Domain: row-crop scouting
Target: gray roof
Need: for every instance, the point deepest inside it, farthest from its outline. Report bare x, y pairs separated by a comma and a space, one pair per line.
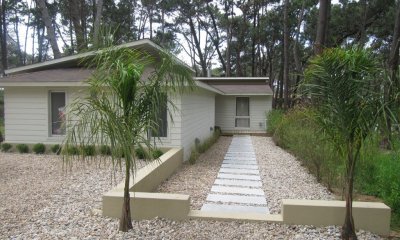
239, 85
51, 75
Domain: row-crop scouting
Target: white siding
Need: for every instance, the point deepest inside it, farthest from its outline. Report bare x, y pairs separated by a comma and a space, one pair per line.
174, 133
225, 112
198, 118
26, 113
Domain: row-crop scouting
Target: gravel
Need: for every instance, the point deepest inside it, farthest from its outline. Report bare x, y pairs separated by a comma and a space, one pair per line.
39, 200
283, 176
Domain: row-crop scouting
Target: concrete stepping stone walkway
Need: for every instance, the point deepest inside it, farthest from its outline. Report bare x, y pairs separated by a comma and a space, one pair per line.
238, 187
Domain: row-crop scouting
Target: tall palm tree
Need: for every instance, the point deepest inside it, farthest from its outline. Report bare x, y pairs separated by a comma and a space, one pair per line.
344, 88
121, 105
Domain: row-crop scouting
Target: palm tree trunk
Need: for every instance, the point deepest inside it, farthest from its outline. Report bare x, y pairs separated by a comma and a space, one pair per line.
348, 229
125, 222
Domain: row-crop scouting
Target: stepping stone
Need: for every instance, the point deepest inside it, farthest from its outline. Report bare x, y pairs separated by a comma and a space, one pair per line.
240, 158
239, 190
240, 166
233, 208
229, 161
242, 183
238, 177
237, 199
239, 171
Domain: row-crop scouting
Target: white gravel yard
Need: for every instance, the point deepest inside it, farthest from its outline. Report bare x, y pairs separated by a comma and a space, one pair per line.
283, 176
38, 200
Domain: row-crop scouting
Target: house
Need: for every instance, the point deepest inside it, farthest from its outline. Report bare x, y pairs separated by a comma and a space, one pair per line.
35, 97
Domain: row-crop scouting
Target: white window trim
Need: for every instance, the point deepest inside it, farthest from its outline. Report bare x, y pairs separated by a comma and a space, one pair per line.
236, 117
50, 130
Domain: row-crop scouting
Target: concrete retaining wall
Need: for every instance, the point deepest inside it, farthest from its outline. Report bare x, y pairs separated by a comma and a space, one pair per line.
370, 216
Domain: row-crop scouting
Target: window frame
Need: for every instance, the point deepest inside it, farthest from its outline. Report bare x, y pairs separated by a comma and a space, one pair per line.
50, 114
237, 117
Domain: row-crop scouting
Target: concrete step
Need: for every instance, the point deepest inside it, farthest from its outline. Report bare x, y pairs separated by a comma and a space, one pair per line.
238, 190
238, 176
241, 183
236, 199
233, 208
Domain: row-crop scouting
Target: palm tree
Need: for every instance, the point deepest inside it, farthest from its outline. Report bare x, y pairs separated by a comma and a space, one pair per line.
344, 89
121, 106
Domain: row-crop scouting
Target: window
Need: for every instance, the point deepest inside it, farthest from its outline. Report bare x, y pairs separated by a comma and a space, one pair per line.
162, 121
242, 119
57, 113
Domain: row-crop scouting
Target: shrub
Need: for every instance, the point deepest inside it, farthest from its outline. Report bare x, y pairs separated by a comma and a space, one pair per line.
56, 148
140, 153
194, 155
22, 148
39, 148
71, 150
5, 147
105, 150
88, 150
274, 118
157, 153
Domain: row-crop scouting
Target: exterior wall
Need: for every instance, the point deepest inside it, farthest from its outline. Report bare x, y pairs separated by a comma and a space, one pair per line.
174, 132
26, 113
198, 118
225, 112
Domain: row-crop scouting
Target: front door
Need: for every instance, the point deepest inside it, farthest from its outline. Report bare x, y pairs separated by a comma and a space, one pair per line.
242, 119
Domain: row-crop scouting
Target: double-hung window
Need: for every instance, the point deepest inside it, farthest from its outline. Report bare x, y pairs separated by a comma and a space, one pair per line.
242, 119
57, 113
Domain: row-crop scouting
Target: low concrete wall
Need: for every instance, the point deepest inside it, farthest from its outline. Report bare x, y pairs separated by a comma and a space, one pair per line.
148, 205
370, 216
153, 174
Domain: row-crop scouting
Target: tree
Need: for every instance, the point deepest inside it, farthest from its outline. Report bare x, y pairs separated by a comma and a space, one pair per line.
342, 85
286, 53
49, 27
323, 16
97, 21
3, 34
122, 106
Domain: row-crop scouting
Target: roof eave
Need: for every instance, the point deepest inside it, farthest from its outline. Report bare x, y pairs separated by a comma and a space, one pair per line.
43, 84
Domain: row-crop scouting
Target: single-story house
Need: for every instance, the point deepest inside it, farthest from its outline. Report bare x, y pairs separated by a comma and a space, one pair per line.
35, 96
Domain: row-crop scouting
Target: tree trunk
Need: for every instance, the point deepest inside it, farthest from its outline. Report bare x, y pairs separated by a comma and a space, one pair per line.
286, 54
20, 57
125, 222
3, 35
74, 7
322, 26
348, 229
296, 56
198, 48
217, 40
96, 25
49, 27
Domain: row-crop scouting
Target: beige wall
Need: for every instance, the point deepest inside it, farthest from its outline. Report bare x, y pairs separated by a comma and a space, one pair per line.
198, 118
27, 116
225, 112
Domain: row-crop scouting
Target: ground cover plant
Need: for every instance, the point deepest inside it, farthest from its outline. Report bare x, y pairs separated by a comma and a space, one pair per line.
5, 147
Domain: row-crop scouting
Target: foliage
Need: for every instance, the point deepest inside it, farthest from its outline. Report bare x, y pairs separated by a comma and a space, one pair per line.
70, 150
88, 150
274, 118
39, 148
347, 102
105, 150
141, 153
22, 148
123, 106
5, 147
56, 148
378, 171
157, 153
204, 146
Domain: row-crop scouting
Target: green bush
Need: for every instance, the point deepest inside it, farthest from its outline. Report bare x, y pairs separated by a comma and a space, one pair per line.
22, 148
194, 155
88, 150
39, 148
157, 153
71, 150
274, 118
105, 150
140, 153
5, 147
56, 148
